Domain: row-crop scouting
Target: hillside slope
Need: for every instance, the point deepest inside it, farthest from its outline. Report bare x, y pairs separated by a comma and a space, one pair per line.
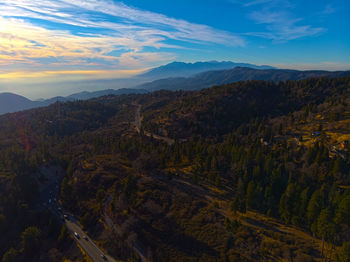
257, 171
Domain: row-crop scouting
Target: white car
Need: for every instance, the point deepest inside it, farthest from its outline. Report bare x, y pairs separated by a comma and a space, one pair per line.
76, 235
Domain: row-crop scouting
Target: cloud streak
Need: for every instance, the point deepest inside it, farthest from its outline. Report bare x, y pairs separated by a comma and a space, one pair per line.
329, 9
280, 23
281, 26
80, 35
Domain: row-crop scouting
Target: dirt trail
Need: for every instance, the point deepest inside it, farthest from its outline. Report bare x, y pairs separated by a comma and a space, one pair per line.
137, 124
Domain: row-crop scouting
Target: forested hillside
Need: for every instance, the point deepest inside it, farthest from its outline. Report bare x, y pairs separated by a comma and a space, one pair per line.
249, 171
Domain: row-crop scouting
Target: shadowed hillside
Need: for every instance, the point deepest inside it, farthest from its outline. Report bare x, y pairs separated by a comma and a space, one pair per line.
255, 171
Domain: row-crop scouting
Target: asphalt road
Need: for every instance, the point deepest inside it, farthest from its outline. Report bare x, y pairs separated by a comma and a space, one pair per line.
85, 242
48, 199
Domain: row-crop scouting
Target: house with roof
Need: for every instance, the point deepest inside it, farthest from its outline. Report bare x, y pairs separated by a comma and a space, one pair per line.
345, 144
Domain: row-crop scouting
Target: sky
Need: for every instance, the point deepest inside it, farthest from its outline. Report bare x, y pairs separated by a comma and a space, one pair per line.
48, 42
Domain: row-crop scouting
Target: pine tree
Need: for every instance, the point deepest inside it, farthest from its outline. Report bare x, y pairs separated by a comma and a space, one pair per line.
30, 241
344, 253
251, 195
12, 255
343, 211
314, 207
325, 227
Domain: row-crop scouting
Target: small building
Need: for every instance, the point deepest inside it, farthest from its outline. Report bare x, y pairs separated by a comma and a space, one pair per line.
316, 133
345, 144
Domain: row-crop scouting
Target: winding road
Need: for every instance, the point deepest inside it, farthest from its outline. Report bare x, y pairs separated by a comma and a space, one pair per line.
137, 124
49, 195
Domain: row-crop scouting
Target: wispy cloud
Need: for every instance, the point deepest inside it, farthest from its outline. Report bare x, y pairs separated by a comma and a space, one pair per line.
134, 19
281, 26
280, 23
329, 9
257, 2
252, 3
323, 65
19, 76
80, 35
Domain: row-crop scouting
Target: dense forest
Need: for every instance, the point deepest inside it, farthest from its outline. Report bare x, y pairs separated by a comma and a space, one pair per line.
249, 171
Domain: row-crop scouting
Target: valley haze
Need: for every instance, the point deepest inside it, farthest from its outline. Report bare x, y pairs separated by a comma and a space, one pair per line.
173, 76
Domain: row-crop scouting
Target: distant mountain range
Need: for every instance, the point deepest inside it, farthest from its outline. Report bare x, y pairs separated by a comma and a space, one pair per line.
10, 102
174, 76
180, 69
88, 95
220, 77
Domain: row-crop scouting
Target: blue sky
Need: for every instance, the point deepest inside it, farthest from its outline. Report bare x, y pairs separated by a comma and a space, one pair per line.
56, 40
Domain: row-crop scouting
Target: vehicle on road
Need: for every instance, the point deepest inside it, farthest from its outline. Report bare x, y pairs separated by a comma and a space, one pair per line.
65, 217
76, 235
85, 237
104, 257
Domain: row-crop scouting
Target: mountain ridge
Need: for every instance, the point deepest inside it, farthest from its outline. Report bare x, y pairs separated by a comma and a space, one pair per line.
10, 102
221, 77
176, 69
